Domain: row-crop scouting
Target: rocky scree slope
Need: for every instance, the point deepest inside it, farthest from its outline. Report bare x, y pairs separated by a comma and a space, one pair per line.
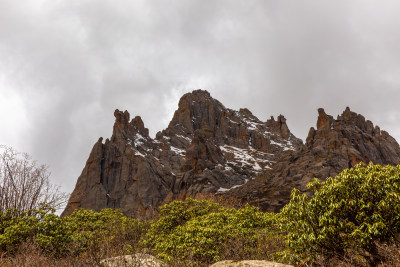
206, 148
334, 146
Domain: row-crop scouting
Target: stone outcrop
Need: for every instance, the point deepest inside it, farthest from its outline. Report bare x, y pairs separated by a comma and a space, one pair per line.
210, 149
146, 260
135, 260
249, 263
334, 145
121, 173
206, 148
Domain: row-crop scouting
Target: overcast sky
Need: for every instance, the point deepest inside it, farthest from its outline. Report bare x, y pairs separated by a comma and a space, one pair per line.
66, 65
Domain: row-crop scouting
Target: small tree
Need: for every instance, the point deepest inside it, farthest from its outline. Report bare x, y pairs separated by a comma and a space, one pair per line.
25, 185
346, 216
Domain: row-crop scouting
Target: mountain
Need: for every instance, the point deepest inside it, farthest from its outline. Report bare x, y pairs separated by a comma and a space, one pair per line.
210, 149
332, 147
206, 149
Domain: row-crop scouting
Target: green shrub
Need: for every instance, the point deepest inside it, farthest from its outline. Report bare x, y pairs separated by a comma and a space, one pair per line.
347, 215
17, 227
200, 230
85, 230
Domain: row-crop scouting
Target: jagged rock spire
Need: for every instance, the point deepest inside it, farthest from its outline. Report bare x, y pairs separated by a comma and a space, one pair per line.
123, 128
332, 147
207, 148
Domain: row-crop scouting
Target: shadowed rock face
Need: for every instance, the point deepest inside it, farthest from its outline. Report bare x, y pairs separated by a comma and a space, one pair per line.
210, 149
206, 148
332, 147
122, 174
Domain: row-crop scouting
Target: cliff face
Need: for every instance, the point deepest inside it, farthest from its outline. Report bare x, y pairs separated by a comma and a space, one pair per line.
207, 148
332, 147
122, 173
210, 149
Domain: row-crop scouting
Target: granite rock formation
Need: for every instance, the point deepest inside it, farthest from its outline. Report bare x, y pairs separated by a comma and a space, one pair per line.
206, 148
210, 149
333, 146
249, 263
135, 260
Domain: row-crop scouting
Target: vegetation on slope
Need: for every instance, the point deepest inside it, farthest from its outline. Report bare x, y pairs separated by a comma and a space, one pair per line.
348, 216
205, 232
350, 219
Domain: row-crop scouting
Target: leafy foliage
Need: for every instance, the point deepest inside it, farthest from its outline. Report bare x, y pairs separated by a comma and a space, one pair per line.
17, 227
356, 213
347, 213
200, 230
84, 230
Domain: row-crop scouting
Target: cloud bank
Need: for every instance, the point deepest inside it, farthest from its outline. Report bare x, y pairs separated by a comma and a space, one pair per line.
65, 66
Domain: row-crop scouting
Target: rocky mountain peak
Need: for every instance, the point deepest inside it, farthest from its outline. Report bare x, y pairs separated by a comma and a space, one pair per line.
349, 117
197, 110
247, 113
206, 148
324, 120
138, 126
279, 126
123, 128
332, 147
210, 149
121, 117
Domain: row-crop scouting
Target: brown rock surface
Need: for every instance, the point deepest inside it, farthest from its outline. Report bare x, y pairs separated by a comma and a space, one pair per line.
228, 147
206, 148
135, 260
249, 263
332, 147
121, 173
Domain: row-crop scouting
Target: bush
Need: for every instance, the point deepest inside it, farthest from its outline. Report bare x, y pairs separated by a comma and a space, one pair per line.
85, 231
351, 218
105, 230
17, 227
348, 215
199, 231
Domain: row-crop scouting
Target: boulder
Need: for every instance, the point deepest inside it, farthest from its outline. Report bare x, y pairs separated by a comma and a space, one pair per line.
249, 263
136, 260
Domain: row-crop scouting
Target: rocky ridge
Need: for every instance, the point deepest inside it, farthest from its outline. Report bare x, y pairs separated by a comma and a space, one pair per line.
206, 149
210, 149
334, 145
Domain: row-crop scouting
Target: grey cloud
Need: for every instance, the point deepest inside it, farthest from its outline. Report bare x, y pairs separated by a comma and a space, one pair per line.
71, 63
